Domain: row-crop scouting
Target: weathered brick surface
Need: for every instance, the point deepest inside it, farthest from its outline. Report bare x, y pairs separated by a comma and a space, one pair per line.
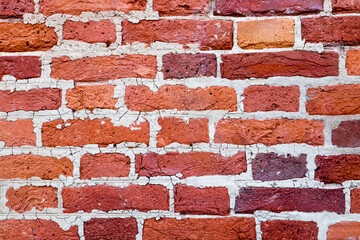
189, 164
199, 228
109, 198
272, 167
111, 228
268, 33
104, 165
343, 230
141, 98
209, 35
347, 134
252, 199
17, 133
20, 67
355, 201
15, 8
181, 7
296, 230
26, 198
269, 132
271, 98
341, 6
337, 168
285, 64
353, 62
180, 66
207, 201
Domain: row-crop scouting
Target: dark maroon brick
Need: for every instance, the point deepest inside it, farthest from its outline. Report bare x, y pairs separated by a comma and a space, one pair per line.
347, 134
252, 199
21, 67
331, 31
15, 8
294, 230
189, 65
111, 228
337, 168
271, 7
340, 6
271, 167
287, 64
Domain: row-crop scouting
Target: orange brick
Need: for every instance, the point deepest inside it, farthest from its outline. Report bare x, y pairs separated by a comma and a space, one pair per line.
353, 62
344, 230
17, 133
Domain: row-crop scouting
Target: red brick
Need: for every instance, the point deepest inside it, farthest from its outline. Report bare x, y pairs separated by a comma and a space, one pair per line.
20, 67
76, 7
285, 64
26, 37
334, 100
26, 198
141, 98
272, 167
295, 230
11, 229
104, 165
16, 8
79, 132
104, 68
269, 132
17, 133
344, 230
181, 7
189, 164
259, 7
91, 32
91, 97
207, 201
341, 6
209, 35
178, 66
337, 168
271, 98
277, 200
176, 130
331, 31
347, 134
355, 201
111, 228
27, 166
31, 100
109, 198
353, 62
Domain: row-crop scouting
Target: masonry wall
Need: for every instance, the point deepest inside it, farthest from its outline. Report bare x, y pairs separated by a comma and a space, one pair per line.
179, 119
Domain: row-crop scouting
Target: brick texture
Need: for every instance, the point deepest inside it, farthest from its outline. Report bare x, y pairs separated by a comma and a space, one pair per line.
352, 62
344, 230
20, 67
347, 134
15, 8
181, 7
296, 230
341, 6
110, 228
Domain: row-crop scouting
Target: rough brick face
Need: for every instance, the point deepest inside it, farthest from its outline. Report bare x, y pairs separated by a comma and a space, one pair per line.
343, 230
347, 134
269, 132
207, 201
79, 132
35, 229
20, 67
181, 7
269, 33
109, 198
91, 97
273, 7
176, 130
189, 164
32, 100
75, 7
26, 198
285, 64
271, 98
341, 6
272, 167
15, 8
17, 133
27, 166
91, 32
331, 31
104, 165
201, 228
295, 230
337, 168
104, 68
141, 98
26, 37
353, 62
355, 201
180, 66
252, 199
111, 228
209, 35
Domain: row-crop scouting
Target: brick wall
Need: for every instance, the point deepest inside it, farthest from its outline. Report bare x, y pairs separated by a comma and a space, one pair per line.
179, 119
